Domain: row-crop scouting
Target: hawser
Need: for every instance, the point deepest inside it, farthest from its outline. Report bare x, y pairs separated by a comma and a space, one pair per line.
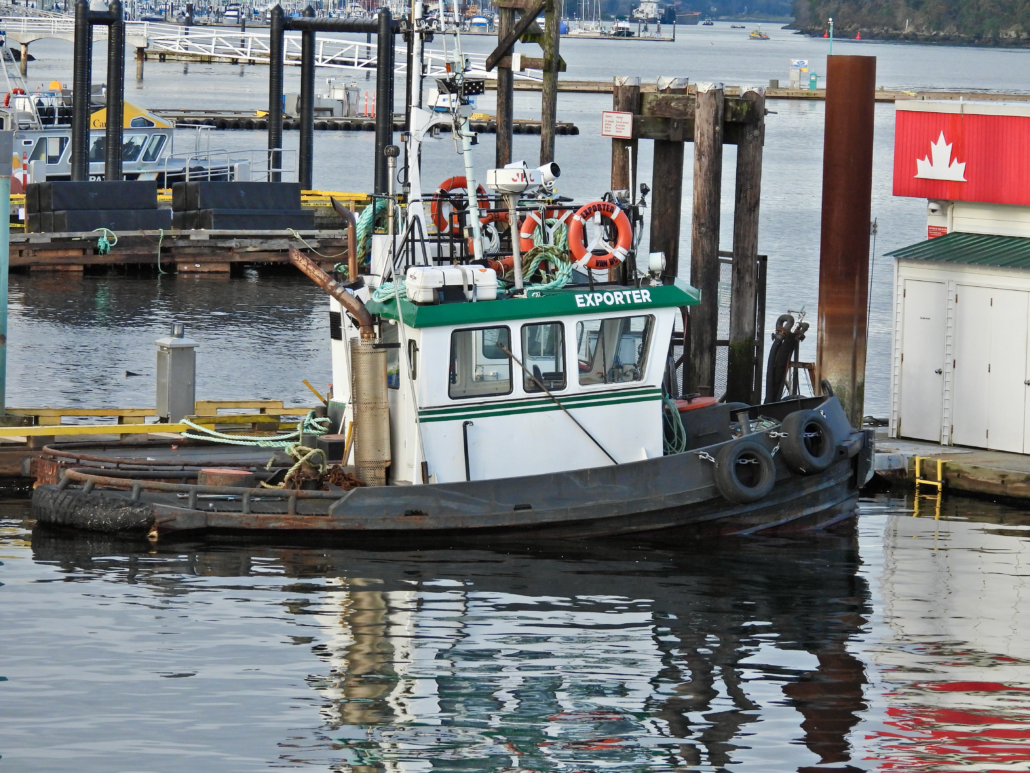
501, 368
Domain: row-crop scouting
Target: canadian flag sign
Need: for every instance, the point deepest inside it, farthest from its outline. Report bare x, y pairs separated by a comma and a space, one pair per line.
962, 151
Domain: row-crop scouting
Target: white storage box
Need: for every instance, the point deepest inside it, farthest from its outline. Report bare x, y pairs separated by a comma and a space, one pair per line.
450, 284
422, 283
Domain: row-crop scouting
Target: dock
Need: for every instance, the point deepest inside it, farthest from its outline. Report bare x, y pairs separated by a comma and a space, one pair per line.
968, 470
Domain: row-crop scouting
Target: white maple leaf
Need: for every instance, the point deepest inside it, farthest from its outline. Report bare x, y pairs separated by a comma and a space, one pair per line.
942, 167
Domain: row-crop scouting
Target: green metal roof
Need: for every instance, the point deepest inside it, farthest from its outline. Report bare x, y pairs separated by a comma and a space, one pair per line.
974, 249
551, 304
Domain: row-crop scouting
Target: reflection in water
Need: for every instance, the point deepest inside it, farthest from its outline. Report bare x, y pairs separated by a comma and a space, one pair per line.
641, 659
956, 655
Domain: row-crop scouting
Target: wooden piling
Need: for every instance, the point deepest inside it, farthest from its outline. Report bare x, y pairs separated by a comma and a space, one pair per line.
505, 93
625, 99
549, 88
844, 244
141, 57
740, 380
23, 62
667, 188
704, 238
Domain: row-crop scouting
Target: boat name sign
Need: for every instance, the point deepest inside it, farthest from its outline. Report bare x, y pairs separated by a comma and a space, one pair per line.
616, 298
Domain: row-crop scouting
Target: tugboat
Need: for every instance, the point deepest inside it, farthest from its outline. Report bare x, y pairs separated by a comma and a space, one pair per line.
492, 382
708, 22
758, 35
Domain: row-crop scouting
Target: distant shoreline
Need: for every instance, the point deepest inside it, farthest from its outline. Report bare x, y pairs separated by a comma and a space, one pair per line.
900, 36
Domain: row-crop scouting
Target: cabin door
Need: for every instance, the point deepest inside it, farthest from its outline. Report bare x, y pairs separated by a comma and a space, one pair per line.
1007, 393
922, 360
972, 360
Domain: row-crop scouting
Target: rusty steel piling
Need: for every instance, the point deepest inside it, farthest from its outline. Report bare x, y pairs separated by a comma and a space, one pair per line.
844, 245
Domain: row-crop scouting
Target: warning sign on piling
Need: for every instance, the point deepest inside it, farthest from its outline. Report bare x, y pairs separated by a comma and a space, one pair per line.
617, 125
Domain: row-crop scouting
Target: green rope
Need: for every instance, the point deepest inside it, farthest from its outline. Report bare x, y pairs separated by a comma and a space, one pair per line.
366, 225
302, 454
674, 435
560, 234
385, 292
547, 253
104, 244
309, 425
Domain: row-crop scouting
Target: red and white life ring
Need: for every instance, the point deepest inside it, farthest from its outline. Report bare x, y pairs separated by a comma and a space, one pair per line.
593, 255
535, 220
436, 208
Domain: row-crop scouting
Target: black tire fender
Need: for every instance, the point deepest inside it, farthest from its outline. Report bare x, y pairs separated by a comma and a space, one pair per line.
809, 446
739, 485
73, 509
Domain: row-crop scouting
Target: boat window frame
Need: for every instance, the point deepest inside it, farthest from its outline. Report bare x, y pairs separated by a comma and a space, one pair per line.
157, 139
450, 360
527, 384
647, 344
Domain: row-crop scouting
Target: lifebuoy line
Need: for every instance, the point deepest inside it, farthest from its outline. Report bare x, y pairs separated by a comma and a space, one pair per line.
441, 197
535, 220
7, 97
577, 240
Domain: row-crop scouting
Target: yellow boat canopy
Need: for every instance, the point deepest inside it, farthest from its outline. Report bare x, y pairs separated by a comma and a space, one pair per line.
133, 118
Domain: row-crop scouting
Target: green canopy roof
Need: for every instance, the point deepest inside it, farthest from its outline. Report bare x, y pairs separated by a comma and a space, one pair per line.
974, 249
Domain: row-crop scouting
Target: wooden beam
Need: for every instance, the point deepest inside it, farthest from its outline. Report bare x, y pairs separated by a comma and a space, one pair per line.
549, 88
740, 372
508, 40
505, 94
625, 99
704, 237
667, 190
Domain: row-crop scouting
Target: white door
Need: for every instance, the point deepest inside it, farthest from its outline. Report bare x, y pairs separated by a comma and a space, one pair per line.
1007, 393
970, 378
922, 359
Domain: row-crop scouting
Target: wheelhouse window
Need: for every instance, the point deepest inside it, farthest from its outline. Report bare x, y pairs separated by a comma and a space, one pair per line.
543, 357
157, 142
49, 149
479, 365
613, 351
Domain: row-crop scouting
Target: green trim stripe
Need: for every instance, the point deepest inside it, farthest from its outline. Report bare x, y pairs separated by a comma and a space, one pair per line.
569, 301
538, 405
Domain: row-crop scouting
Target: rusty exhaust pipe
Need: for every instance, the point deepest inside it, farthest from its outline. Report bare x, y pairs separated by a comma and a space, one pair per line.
844, 247
352, 237
351, 303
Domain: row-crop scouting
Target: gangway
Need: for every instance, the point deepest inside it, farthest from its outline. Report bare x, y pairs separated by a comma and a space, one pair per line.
238, 45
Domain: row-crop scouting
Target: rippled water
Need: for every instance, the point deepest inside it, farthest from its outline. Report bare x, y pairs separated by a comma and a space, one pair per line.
898, 645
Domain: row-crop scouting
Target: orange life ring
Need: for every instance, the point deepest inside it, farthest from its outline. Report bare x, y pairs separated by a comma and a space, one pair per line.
436, 213
592, 258
18, 91
535, 220
7, 99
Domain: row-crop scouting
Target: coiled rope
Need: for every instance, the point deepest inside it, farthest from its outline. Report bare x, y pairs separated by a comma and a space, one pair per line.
104, 244
674, 435
302, 455
559, 260
309, 425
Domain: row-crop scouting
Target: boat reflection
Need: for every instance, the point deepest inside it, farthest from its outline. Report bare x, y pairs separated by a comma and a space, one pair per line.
647, 658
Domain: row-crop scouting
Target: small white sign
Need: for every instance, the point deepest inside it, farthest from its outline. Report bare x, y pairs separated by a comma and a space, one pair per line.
617, 125
799, 63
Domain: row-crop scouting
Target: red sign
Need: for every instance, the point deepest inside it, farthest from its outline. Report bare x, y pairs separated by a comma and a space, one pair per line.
933, 231
962, 156
615, 124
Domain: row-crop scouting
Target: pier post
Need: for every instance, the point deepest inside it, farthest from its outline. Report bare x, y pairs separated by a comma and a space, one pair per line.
115, 92
305, 160
275, 93
82, 64
23, 60
667, 189
549, 87
844, 243
6, 152
740, 369
505, 92
704, 237
141, 57
625, 99
384, 99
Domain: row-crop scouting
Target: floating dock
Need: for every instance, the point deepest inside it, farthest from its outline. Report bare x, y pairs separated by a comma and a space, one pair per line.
969, 470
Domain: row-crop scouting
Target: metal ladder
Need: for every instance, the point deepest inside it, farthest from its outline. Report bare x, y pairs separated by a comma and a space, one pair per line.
13, 80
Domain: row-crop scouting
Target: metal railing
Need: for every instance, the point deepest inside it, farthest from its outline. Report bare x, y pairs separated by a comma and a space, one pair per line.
231, 43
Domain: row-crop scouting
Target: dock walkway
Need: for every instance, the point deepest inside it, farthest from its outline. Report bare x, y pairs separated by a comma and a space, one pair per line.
972, 470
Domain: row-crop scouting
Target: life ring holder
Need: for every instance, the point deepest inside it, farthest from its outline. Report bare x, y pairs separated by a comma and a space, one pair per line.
587, 255
441, 197
538, 219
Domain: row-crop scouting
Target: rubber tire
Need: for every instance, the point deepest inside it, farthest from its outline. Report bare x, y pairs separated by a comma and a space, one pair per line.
91, 512
807, 458
729, 482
